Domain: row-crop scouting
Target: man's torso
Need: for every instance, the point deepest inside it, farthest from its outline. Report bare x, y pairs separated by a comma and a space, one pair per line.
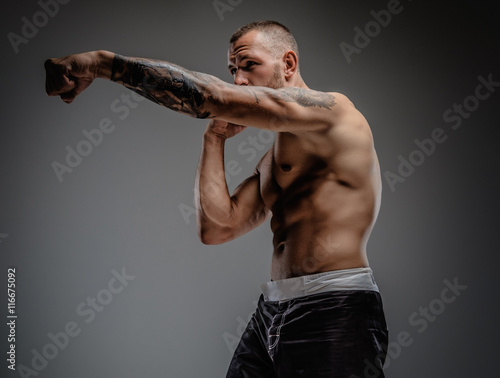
323, 189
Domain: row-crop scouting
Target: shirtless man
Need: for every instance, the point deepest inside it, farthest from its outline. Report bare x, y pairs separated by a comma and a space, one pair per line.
321, 314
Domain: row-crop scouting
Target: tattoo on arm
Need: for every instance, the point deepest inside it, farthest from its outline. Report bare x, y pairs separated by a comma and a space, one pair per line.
166, 84
189, 92
307, 98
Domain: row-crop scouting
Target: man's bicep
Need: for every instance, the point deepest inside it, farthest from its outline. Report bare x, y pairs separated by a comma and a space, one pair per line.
281, 110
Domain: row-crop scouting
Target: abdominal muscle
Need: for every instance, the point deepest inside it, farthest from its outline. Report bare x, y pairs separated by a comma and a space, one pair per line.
317, 237
307, 251
319, 223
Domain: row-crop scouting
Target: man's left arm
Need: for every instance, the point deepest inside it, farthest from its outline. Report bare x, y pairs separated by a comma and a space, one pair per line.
195, 94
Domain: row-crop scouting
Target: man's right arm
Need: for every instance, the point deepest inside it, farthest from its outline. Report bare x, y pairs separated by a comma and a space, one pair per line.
222, 217
288, 109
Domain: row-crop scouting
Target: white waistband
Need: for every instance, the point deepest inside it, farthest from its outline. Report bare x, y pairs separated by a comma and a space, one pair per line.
336, 280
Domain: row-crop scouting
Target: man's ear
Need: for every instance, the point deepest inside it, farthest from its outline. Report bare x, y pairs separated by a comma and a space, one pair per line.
291, 61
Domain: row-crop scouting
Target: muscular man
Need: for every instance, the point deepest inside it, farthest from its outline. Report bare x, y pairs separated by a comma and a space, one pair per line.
321, 314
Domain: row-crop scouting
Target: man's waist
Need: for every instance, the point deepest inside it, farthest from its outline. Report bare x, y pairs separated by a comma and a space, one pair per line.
335, 280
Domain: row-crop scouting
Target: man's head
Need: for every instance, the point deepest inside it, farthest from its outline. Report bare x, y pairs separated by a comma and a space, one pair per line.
264, 53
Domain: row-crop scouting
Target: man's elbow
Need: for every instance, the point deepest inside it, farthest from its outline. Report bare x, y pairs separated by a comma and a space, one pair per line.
212, 236
209, 239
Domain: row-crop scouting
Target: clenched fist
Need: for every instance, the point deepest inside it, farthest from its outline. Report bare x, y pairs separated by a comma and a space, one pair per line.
224, 129
69, 76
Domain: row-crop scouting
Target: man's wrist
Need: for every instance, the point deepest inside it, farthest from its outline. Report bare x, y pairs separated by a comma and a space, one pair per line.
103, 64
212, 136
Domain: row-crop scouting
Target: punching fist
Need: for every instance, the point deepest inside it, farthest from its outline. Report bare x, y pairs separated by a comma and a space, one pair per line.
69, 76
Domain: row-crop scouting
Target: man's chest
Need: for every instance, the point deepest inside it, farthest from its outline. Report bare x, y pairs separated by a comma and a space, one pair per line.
289, 165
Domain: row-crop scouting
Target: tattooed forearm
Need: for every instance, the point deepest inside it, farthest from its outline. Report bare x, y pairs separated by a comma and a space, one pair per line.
165, 84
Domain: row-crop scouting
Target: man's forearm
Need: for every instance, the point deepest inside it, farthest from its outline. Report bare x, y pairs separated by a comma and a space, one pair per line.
184, 91
212, 198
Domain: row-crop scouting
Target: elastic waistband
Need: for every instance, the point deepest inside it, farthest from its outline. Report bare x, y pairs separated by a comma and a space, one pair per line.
336, 280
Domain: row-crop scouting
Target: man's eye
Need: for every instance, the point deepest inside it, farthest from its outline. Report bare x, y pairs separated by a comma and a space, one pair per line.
247, 65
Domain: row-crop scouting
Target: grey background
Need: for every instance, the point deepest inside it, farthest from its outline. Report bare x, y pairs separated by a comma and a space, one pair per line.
120, 208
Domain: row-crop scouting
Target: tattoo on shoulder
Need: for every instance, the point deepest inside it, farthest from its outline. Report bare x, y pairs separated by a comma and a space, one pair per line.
307, 98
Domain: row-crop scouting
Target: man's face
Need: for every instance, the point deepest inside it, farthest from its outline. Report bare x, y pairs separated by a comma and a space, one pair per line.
251, 63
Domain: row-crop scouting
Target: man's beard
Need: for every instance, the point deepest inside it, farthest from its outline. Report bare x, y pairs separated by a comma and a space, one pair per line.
276, 81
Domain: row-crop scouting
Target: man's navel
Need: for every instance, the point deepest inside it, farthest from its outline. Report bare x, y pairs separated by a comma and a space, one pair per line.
286, 167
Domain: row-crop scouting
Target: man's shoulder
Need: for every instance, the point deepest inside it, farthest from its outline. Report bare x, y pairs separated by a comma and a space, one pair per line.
341, 99
346, 112
342, 111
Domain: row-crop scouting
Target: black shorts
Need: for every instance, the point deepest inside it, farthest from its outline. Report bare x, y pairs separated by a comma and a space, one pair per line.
330, 334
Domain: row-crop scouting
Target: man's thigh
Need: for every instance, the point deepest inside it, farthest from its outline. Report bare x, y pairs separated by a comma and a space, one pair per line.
251, 358
338, 335
335, 335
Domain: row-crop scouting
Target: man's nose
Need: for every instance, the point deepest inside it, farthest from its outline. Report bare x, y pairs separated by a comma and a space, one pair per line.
240, 78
